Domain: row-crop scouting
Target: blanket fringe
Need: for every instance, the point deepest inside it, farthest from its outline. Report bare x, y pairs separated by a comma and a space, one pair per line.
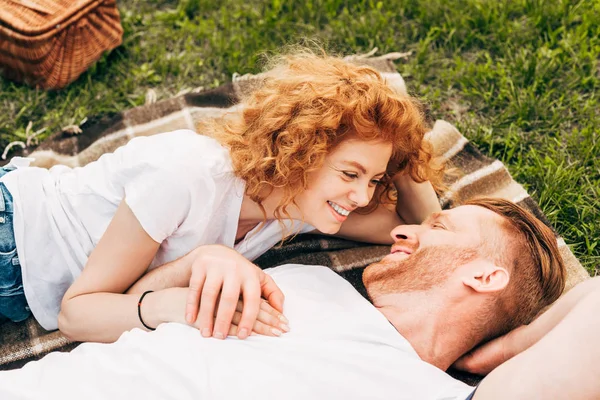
389, 56
11, 145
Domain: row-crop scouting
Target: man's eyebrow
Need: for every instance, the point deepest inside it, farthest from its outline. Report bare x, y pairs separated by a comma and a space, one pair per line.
442, 217
446, 220
359, 166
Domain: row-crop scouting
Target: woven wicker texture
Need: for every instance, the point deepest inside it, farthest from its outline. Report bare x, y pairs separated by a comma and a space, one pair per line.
49, 43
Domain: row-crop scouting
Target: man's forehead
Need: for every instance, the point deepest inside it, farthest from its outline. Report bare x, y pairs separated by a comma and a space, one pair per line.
471, 217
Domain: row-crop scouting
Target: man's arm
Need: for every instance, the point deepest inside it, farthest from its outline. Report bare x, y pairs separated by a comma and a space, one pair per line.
484, 359
563, 364
176, 273
181, 273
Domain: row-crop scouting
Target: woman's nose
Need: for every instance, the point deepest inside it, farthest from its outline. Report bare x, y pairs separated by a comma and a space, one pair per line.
361, 196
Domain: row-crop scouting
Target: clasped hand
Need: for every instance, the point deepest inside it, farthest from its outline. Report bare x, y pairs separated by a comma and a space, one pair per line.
229, 295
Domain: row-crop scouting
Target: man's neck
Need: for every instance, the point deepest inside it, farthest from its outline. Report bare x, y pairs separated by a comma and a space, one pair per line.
439, 330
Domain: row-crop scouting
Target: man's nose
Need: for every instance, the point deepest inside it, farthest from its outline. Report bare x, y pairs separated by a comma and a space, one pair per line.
406, 233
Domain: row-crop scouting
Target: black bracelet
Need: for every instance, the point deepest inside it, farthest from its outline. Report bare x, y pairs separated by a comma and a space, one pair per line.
140, 309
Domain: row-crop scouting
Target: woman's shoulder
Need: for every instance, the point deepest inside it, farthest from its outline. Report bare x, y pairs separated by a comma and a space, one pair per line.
182, 148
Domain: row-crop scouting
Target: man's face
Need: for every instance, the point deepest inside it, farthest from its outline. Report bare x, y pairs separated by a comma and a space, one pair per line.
425, 255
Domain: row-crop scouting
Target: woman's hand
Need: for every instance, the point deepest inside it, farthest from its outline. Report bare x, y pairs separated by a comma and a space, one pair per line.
218, 276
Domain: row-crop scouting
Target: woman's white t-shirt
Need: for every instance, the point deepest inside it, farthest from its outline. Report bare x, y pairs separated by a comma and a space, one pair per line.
180, 185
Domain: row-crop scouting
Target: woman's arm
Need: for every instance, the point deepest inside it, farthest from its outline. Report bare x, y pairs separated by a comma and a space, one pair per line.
416, 201
94, 308
209, 278
216, 277
374, 227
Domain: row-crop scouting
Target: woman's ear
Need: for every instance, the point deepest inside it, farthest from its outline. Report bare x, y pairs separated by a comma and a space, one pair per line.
485, 277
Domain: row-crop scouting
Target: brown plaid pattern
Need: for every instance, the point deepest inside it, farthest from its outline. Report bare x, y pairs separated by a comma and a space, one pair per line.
477, 175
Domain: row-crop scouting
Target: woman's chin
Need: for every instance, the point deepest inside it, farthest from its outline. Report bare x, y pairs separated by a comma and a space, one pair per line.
329, 229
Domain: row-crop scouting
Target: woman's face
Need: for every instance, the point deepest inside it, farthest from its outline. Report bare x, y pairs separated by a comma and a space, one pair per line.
345, 182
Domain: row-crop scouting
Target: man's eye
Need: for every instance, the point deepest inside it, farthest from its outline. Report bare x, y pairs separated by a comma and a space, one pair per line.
350, 175
438, 225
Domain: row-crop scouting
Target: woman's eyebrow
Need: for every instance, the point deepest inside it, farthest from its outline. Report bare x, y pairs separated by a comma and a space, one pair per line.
360, 167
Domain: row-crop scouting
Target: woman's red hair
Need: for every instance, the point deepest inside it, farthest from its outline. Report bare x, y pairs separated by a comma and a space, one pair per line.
305, 106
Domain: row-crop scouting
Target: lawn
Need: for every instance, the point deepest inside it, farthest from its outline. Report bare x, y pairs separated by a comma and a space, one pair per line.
519, 78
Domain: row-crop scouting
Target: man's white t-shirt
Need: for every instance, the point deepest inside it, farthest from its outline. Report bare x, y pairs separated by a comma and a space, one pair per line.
339, 347
180, 185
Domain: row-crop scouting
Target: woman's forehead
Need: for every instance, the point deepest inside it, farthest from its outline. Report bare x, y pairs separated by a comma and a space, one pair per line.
363, 152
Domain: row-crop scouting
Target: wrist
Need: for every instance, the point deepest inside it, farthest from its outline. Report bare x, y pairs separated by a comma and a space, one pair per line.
167, 305
148, 312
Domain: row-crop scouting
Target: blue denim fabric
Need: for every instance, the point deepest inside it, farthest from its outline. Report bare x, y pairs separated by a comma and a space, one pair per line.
13, 305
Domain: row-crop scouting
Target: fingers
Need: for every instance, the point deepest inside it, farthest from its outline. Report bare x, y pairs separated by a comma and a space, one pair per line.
219, 276
251, 307
229, 299
464, 363
208, 300
193, 299
268, 310
271, 328
273, 319
271, 292
482, 360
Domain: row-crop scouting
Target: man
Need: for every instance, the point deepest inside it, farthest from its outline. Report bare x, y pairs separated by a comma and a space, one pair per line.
462, 277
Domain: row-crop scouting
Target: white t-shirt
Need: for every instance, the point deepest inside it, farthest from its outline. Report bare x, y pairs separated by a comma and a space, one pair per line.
180, 186
339, 347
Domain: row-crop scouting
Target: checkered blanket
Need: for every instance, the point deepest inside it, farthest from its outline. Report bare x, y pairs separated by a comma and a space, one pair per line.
477, 175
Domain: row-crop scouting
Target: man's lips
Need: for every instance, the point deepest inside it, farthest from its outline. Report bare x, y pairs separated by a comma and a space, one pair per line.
398, 252
400, 249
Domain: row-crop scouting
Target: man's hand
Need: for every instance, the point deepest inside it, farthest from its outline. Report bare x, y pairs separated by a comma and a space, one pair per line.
269, 321
485, 358
218, 276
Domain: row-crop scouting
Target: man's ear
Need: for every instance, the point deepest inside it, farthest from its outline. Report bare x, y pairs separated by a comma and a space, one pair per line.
486, 277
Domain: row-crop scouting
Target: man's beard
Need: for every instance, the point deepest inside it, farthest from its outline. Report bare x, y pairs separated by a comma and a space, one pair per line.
420, 271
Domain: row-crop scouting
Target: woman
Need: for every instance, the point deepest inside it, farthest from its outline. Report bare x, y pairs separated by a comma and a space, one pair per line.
314, 148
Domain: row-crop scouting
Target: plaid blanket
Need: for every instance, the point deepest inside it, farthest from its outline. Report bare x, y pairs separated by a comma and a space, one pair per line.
477, 175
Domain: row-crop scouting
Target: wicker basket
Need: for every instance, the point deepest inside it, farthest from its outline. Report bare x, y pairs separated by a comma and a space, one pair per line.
49, 43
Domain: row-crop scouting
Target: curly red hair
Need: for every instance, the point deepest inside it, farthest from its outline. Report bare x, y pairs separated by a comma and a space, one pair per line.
306, 105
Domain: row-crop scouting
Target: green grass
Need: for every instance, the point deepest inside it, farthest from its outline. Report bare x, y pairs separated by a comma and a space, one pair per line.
519, 78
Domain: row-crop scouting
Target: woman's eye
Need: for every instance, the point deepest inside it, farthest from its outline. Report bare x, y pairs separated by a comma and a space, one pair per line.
376, 182
350, 175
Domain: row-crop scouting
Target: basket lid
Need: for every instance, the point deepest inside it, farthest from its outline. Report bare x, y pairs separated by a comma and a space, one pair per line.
35, 17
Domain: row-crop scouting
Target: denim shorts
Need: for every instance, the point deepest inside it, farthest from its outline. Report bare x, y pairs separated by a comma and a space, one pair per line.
13, 305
